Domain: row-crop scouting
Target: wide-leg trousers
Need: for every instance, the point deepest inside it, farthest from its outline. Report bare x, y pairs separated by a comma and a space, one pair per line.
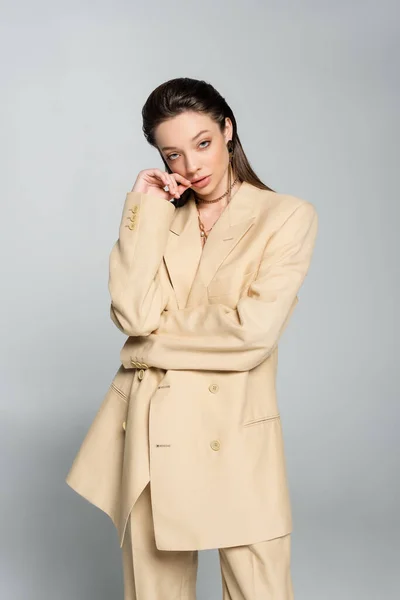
255, 572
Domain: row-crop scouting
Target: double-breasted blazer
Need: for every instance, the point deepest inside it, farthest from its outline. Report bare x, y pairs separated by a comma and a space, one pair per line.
192, 407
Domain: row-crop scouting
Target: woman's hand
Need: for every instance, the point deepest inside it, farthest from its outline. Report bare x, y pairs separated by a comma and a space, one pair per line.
152, 181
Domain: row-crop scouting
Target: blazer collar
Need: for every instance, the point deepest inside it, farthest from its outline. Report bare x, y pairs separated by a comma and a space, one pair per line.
189, 266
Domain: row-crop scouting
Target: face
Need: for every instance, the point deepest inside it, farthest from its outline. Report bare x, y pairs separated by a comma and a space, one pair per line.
193, 145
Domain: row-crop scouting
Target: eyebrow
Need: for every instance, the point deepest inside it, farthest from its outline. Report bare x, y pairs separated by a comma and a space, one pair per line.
193, 139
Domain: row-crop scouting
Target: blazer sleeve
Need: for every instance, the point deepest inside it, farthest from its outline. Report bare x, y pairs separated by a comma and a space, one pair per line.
217, 337
136, 294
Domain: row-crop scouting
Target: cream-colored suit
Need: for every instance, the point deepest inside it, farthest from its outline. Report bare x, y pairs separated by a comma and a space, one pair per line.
193, 406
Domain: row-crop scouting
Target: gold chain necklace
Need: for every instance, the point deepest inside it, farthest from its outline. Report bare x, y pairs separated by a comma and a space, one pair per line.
201, 201
204, 232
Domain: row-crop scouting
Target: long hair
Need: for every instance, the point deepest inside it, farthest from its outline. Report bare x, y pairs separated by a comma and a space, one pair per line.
176, 96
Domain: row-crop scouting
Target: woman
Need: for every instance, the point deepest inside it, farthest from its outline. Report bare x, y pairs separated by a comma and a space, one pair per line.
186, 452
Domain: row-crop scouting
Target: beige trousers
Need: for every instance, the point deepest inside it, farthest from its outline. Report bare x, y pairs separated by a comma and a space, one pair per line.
256, 572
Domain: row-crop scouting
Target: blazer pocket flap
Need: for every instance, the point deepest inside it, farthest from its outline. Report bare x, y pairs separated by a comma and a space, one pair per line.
261, 420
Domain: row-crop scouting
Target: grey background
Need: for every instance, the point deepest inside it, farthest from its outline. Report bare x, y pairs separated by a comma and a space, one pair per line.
315, 89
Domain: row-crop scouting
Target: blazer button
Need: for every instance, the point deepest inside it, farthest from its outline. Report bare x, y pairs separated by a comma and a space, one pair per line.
213, 388
215, 445
141, 374
124, 425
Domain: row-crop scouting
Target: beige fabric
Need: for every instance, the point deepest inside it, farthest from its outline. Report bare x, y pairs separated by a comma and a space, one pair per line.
149, 573
201, 418
256, 572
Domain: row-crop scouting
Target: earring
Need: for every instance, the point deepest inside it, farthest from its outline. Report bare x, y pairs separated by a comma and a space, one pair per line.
230, 150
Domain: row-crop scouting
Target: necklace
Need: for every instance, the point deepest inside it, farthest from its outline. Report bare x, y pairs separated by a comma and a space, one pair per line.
204, 232
200, 201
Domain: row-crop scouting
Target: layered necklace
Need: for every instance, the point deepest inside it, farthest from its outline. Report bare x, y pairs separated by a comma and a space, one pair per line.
204, 233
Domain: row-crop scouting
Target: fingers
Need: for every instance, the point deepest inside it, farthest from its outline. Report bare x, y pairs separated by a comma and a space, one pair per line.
185, 183
179, 177
166, 180
172, 185
171, 180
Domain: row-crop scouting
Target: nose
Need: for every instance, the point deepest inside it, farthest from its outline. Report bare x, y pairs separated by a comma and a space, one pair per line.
192, 165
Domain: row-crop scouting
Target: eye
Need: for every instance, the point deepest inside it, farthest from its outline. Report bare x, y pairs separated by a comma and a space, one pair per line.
208, 142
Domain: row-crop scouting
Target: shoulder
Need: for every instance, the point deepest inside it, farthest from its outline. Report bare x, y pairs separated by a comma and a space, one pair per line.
278, 207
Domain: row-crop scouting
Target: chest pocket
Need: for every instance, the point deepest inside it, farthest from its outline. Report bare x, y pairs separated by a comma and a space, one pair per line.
234, 285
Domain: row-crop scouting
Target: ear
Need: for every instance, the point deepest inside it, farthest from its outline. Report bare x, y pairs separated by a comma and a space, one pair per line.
228, 130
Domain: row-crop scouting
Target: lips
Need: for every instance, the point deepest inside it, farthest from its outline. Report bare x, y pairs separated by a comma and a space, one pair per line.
202, 183
198, 180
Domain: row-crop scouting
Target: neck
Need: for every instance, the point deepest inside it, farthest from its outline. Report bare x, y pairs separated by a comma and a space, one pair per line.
213, 207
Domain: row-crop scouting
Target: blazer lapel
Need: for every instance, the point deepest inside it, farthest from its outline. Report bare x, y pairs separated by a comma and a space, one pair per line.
191, 267
232, 225
183, 250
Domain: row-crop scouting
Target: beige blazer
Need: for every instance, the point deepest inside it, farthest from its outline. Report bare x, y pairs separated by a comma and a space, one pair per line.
193, 405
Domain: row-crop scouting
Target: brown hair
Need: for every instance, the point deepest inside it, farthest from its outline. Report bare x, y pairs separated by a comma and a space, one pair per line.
176, 96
